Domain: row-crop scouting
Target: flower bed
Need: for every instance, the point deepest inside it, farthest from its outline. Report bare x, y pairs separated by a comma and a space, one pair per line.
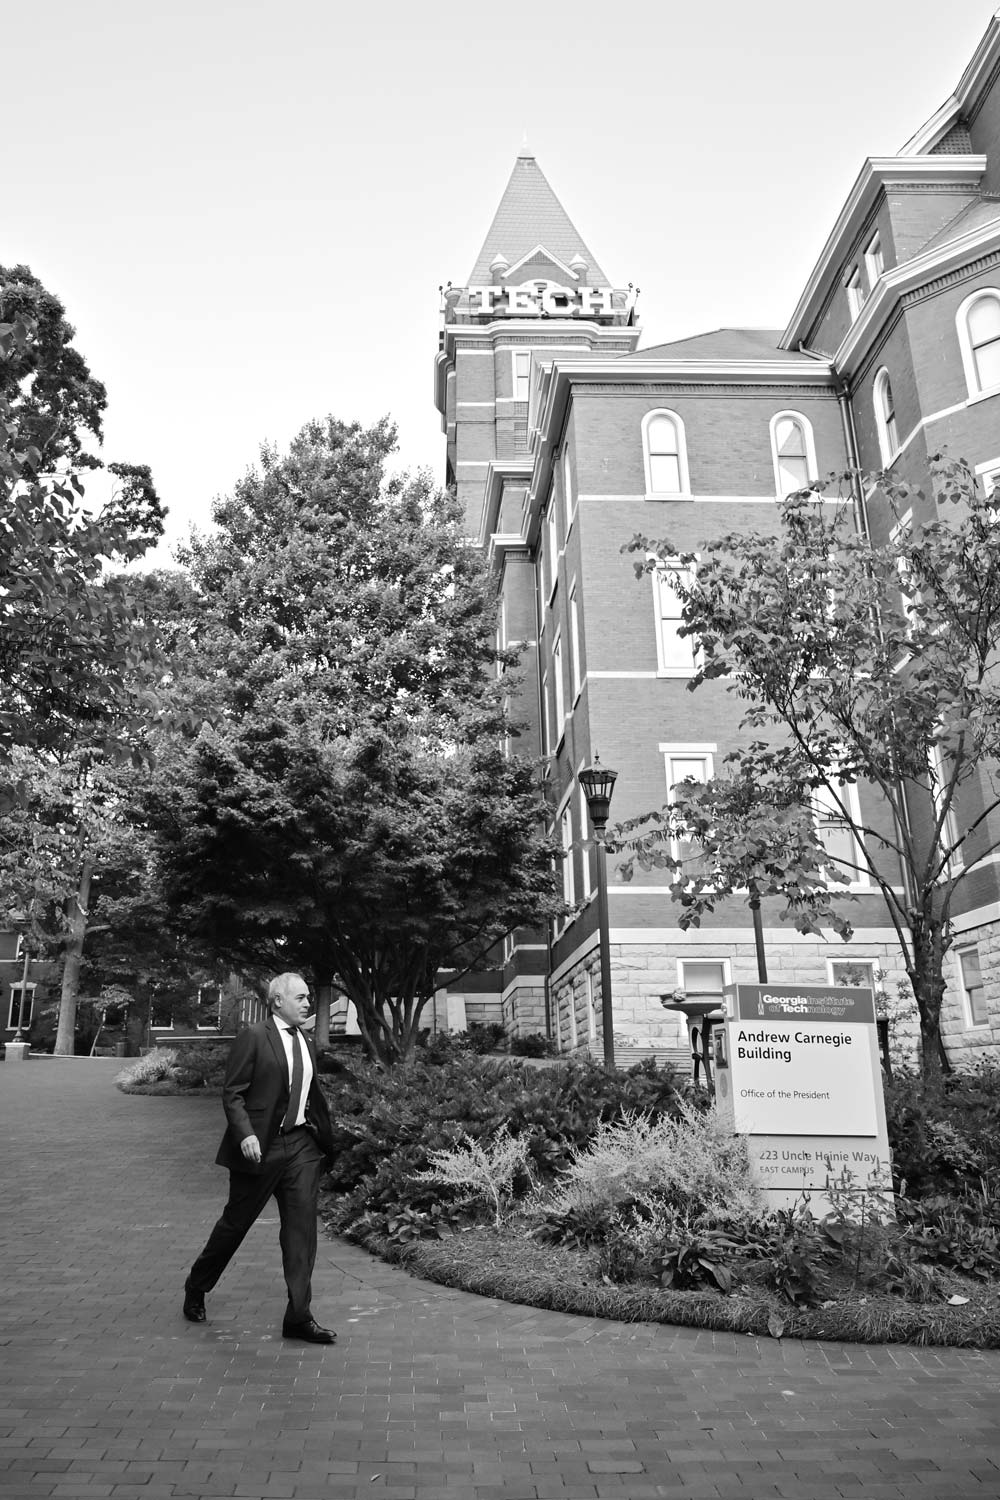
621, 1196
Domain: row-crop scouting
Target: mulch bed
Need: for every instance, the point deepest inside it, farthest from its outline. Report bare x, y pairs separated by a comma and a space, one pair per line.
509, 1265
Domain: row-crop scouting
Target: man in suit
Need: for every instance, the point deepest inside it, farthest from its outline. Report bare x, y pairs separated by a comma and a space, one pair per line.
278, 1141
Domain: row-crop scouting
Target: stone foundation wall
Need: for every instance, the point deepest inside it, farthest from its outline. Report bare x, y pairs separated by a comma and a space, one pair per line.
643, 970
968, 1044
523, 1008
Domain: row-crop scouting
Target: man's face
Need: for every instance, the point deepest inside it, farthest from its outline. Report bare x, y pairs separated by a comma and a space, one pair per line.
293, 1006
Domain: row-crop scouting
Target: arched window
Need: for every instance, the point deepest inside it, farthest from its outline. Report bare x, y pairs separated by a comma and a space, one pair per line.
978, 324
793, 452
885, 417
664, 454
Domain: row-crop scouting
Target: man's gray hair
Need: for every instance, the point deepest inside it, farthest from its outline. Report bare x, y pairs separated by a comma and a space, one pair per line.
279, 987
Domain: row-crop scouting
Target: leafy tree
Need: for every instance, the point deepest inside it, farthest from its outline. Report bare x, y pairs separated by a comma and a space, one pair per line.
869, 661
46, 383
347, 807
732, 834
74, 648
71, 637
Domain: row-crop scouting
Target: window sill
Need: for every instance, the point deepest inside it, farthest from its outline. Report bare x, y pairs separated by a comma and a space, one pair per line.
977, 396
667, 496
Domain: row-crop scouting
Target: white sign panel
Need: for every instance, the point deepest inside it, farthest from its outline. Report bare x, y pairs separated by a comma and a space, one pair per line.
802, 1079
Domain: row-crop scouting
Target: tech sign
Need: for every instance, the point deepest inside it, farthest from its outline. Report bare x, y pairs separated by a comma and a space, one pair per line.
797, 1073
544, 299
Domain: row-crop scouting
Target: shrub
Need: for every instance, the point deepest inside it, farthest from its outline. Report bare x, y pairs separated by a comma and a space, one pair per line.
201, 1066
486, 1170
944, 1138
156, 1065
796, 1251
648, 1237
387, 1123
533, 1045
486, 1036
691, 1162
962, 1233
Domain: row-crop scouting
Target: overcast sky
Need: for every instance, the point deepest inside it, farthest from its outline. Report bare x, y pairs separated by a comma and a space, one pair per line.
248, 206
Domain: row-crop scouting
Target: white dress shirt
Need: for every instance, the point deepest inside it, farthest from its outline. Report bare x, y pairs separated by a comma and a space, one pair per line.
285, 1032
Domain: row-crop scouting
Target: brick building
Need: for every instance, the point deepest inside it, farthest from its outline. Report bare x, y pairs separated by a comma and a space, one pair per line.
564, 438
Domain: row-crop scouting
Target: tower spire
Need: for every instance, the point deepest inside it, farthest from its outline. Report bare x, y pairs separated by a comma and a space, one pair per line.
530, 215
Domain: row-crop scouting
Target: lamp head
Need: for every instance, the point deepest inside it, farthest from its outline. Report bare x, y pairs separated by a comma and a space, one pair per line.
598, 783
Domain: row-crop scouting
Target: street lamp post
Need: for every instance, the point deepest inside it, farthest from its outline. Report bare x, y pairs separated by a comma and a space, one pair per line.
598, 784
19, 1035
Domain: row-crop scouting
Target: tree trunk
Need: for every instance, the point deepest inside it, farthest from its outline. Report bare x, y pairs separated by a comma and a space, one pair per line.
78, 905
929, 948
324, 1000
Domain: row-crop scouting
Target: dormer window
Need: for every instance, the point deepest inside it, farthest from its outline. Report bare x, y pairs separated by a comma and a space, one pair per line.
855, 289
874, 260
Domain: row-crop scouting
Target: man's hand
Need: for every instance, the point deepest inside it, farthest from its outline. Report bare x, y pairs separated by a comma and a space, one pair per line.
250, 1146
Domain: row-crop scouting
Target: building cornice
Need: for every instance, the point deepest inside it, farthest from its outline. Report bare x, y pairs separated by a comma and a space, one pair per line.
879, 174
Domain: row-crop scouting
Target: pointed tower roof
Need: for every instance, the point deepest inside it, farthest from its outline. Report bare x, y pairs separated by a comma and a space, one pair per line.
530, 218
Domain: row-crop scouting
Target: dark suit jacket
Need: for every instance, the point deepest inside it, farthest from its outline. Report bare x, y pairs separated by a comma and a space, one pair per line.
255, 1096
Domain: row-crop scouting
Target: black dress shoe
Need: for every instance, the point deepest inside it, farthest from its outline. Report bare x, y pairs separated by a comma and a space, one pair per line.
310, 1331
194, 1305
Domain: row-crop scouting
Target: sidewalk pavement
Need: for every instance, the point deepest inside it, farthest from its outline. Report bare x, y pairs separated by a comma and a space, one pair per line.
429, 1394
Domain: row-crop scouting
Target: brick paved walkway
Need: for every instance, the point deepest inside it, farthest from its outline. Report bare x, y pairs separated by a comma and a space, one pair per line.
429, 1395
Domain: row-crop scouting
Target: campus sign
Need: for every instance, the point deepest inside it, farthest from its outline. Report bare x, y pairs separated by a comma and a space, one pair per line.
797, 1073
533, 300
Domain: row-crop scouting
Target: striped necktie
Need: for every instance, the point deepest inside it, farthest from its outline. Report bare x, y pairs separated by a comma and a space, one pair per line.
295, 1093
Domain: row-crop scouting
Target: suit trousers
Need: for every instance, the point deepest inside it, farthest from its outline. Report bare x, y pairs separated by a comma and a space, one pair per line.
290, 1172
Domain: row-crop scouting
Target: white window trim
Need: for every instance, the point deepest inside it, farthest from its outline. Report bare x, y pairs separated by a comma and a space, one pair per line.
559, 686
662, 669
552, 547
575, 663
565, 821
989, 475
586, 843
14, 1002
848, 793
873, 255
854, 287
706, 958
689, 752
857, 962
976, 391
569, 498
970, 1023
908, 594
949, 830
514, 354
889, 455
217, 1024
18, 955
546, 716
684, 493
591, 1007
574, 1038
807, 430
